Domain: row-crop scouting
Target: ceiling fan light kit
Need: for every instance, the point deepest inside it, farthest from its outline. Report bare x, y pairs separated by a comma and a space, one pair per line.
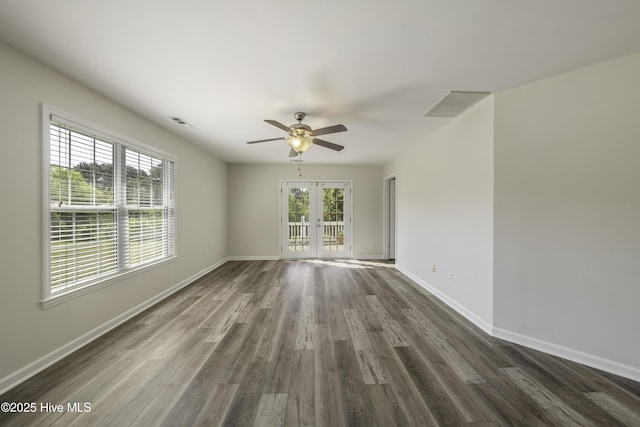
301, 136
300, 144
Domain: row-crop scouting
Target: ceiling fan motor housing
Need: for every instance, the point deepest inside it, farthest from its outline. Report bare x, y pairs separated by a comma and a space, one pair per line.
300, 130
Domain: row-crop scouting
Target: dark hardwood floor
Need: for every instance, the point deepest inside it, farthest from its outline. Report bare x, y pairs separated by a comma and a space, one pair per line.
325, 343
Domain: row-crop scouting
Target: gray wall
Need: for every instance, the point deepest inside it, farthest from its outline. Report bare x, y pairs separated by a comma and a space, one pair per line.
532, 200
444, 190
567, 212
29, 333
254, 197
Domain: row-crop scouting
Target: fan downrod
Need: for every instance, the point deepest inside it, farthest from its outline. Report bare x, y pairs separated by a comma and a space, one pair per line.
299, 116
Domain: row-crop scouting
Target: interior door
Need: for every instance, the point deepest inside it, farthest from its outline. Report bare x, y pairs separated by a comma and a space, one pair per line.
316, 219
392, 219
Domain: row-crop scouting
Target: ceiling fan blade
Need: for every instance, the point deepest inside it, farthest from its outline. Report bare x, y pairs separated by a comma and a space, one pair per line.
329, 129
293, 153
327, 144
264, 140
279, 125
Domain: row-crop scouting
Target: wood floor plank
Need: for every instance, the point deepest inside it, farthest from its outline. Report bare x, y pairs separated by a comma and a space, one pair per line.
505, 411
461, 396
317, 343
309, 278
244, 407
616, 409
233, 369
259, 286
411, 402
148, 389
366, 315
271, 410
54, 387
336, 283
57, 380
270, 297
102, 409
273, 328
461, 367
356, 401
305, 334
215, 408
337, 320
385, 409
202, 308
226, 292
145, 390
370, 366
281, 358
448, 320
171, 391
391, 300
389, 326
228, 318
553, 406
443, 409
186, 408
328, 399
361, 281
300, 410
560, 381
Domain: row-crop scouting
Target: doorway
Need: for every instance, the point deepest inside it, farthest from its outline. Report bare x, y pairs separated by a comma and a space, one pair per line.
389, 218
316, 219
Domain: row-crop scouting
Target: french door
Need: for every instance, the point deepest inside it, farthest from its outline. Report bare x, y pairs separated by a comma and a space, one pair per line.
316, 219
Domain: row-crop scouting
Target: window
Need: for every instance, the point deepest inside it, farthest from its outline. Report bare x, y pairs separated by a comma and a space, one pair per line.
109, 209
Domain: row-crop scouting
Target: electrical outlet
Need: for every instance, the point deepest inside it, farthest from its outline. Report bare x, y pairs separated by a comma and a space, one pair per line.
451, 276
433, 268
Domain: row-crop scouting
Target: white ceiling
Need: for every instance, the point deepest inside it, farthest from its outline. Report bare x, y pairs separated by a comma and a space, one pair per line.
373, 65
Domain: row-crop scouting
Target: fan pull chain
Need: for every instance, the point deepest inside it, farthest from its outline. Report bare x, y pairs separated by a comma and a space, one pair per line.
300, 164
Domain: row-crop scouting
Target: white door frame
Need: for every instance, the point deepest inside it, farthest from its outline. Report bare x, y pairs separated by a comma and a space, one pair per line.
315, 203
387, 227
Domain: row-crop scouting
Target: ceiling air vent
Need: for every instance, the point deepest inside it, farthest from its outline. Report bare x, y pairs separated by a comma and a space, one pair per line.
454, 103
181, 121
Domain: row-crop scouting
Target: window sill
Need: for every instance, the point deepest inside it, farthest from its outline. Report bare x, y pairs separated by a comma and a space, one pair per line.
62, 297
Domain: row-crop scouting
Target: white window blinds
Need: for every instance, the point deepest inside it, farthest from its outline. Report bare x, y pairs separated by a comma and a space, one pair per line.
110, 207
148, 206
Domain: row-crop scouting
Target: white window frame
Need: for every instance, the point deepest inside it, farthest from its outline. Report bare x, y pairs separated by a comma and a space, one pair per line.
49, 298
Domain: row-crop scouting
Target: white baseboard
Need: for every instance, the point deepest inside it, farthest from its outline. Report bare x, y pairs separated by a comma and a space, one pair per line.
254, 258
47, 360
569, 354
275, 257
366, 257
466, 313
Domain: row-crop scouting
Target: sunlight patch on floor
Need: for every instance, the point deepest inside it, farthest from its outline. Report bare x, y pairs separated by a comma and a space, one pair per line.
349, 263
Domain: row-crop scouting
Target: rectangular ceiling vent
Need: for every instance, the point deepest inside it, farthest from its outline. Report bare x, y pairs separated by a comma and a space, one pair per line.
181, 121
454, 103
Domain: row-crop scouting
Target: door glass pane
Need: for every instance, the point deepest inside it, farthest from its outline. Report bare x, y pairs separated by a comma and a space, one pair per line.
298, 235
333, 219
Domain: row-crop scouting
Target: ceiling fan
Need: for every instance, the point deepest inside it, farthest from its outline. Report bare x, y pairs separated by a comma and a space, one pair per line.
302, 136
